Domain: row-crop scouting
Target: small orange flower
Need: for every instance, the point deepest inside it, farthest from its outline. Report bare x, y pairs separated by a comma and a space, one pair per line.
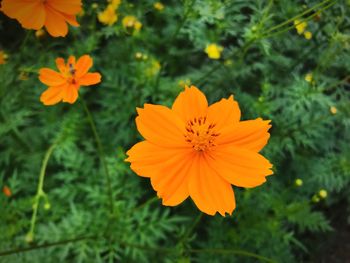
64, 85
53, 14
7, 191
198, 150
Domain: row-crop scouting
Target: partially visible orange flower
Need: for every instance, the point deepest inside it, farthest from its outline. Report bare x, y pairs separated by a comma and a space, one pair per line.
3, 57
64, 85
7, 191
199, 151
53, 14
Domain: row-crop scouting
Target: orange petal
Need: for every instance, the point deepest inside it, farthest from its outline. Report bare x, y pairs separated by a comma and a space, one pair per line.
167, 168
161, 126
71, 19
71, 61
171, 182
83, 65
31, 14
224, 112
240, 167
70, 94
61, 65
52, 95
71, 7
50, 77
190, 103
210, 192
55, 23
252, 135
90, 79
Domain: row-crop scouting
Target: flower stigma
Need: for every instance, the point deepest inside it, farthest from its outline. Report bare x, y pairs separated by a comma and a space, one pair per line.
200, 134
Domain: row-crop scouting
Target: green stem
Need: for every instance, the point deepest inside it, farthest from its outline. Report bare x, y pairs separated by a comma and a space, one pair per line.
180, 25
40, 192
62, 242
101, 155
205, 250
232, 251
296, 17
266, 35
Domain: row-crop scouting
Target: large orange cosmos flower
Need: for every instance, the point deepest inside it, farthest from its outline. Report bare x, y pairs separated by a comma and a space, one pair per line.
53, 14
199, 151
64, 85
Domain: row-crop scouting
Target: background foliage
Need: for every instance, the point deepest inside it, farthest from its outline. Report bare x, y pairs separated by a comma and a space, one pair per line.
264, 64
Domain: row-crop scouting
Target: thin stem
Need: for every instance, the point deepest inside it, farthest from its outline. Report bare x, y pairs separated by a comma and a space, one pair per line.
205, 250
266, 35
101, 155
180, 25
148, 202
232, 251
40, 192
191, 228
62, 242
296, 17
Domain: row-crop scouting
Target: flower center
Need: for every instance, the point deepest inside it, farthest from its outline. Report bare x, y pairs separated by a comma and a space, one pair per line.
71, 74
200, 134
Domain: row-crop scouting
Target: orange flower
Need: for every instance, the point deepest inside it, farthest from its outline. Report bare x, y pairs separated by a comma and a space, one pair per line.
198, 150
64, 85
53, 14
7, 191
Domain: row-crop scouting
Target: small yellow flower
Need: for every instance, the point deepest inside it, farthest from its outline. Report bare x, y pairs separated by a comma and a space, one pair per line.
158, 6
298, 182
131, 22
333, 110
40, 33
108, 16
308, 77
300, 26
214, 51
3, 57
323, 193
94, 6
308, 35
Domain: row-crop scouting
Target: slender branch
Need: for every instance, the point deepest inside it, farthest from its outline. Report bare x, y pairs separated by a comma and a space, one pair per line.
40, 192
101, 155
58, 243
182, 22
232, 251
297, 16
266, 35
221, 251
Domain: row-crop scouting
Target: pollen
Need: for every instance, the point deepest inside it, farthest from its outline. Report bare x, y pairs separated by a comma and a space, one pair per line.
200, 134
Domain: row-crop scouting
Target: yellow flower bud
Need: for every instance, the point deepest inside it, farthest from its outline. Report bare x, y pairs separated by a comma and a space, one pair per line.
315, 199
138, 55
308, 35
333, 110
298, 182
323, 193
309, 77
159, 6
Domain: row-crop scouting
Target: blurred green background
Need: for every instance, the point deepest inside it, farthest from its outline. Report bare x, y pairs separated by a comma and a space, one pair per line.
287, 61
